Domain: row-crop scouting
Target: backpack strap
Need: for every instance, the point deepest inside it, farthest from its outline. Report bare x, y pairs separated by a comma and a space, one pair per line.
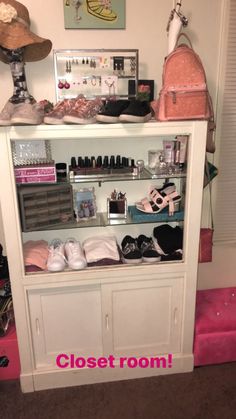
186, 36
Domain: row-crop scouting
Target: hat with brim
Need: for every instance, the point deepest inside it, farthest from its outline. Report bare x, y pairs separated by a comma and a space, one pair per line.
15, 33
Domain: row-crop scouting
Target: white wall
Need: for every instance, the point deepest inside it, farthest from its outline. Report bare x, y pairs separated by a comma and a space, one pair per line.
145, 30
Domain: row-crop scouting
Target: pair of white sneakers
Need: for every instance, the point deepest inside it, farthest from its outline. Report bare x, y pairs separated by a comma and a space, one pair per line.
65, 254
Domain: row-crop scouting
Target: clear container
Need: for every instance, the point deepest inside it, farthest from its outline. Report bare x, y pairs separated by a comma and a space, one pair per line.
154, 158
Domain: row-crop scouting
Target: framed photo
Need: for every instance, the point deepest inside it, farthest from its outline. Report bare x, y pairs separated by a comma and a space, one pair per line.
31, 152
94, 14
85, 204
145, 89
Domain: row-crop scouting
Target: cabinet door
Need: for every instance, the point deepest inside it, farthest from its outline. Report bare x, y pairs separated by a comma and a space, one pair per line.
65, 320
143, 317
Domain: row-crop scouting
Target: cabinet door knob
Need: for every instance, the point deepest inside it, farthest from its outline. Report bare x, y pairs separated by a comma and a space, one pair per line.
107, 321
37, 324
175, 315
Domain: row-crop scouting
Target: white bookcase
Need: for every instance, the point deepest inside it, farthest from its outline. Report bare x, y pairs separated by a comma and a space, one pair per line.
144, 310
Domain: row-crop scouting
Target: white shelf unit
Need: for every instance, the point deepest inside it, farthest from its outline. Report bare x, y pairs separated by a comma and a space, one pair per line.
144, 310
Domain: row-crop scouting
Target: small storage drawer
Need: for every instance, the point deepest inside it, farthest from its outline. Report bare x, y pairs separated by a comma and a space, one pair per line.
45, 206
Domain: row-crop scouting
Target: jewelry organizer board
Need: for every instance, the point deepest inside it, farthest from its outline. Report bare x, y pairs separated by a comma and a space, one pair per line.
95, 73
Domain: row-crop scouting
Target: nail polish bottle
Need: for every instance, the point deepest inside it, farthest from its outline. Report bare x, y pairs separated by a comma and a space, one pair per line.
73, 162
105, 161
99, 161
112, 161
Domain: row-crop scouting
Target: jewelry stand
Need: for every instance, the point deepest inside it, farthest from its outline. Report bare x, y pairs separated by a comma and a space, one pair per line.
95, 73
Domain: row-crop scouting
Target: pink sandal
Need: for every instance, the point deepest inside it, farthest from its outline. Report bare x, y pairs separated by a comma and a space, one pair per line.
167, 189
158, 201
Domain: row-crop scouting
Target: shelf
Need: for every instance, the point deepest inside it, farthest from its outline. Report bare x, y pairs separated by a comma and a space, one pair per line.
147, 174
134, 216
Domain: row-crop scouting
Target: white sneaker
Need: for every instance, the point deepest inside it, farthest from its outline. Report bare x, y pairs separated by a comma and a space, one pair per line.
56, 259
74, 254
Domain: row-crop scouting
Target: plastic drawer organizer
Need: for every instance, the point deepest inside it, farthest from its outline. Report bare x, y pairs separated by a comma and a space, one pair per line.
45, 206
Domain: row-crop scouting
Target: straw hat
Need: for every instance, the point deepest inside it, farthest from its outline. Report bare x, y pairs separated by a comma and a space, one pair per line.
15, 32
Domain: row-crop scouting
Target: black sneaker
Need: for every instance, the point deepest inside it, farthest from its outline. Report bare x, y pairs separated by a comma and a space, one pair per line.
130, 250
137, 111
148, 250
111, 111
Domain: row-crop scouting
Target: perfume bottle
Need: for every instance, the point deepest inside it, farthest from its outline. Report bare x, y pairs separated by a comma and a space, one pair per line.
162, 164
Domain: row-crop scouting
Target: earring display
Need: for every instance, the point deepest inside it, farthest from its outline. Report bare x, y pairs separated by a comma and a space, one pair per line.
95, 73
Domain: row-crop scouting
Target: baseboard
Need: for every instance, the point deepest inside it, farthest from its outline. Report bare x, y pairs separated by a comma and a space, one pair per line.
60, 378
27, 383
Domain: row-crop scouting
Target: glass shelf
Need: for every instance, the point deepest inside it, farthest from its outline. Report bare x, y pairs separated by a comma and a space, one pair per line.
146, 174
133, 217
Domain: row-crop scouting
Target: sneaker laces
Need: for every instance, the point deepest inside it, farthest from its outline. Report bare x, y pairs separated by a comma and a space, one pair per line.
73, 247
147, 244
56, 249
129, 247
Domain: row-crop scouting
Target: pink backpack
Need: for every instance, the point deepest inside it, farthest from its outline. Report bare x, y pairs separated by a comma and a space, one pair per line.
184, 93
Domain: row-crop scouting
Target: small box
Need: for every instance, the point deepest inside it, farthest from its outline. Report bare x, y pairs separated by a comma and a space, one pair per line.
9, 356
163, 216
43, 173
45, 206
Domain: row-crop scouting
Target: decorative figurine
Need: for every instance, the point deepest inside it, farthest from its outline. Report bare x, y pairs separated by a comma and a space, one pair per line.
17, 46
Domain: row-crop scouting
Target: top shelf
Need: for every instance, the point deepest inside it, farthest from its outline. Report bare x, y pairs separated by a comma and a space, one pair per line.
102, 131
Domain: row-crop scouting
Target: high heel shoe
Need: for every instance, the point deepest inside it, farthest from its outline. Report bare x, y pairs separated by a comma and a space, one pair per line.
160, 199
101, 9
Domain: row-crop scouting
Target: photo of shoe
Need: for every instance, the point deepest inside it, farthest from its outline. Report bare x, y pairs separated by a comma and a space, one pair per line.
102, 9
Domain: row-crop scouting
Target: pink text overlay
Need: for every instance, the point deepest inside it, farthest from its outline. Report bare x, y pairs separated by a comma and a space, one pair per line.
73, 361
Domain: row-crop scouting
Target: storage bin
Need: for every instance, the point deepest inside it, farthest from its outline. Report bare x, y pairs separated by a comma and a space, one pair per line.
9, 356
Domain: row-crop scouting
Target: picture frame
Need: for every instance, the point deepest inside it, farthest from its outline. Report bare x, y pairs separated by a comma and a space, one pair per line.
31, 152
116, 208
144, 90
90, 14
85, 204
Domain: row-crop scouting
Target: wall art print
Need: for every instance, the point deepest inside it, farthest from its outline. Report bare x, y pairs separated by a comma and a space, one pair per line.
94, 14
